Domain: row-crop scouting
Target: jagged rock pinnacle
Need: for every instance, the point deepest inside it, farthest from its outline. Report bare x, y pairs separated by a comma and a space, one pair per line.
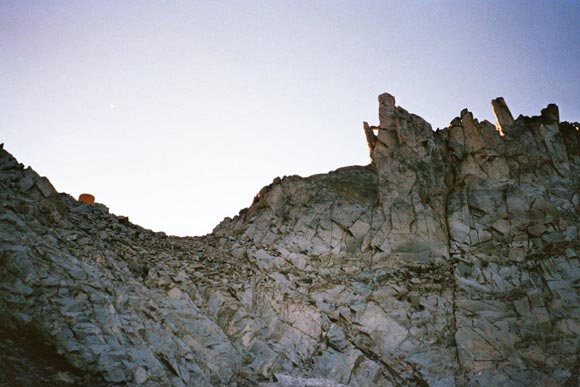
503, 117
387, 99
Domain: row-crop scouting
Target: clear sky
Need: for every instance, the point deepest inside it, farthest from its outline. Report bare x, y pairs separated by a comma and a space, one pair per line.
176, 113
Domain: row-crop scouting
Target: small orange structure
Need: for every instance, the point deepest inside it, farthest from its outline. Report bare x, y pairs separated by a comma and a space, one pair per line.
87, 198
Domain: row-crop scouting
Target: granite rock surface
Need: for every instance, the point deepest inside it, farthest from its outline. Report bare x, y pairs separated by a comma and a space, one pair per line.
451, 260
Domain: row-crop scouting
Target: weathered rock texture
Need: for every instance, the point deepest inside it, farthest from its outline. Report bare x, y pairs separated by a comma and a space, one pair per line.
452, 259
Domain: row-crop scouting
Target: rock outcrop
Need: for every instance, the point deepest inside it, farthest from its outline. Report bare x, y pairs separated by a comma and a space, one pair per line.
450, 260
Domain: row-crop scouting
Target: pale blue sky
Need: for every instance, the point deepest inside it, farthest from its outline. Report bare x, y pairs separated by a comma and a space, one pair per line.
176, 113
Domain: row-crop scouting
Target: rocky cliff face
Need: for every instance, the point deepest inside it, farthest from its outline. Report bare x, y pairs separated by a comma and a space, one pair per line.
451, 260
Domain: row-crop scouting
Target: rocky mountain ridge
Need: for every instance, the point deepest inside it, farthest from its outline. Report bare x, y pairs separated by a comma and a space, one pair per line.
450, 260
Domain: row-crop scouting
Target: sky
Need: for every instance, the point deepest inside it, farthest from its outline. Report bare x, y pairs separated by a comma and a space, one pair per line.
176, 113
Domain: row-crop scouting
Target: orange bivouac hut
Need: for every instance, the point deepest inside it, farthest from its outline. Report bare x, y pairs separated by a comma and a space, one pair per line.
86, 198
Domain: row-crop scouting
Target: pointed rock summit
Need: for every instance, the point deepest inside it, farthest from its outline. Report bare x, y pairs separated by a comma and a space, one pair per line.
386, 99
503, 117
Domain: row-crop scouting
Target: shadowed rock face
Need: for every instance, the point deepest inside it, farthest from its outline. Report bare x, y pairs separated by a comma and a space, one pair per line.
452, 259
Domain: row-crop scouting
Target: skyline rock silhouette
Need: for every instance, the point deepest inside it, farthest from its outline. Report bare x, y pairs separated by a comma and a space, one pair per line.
452, 259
